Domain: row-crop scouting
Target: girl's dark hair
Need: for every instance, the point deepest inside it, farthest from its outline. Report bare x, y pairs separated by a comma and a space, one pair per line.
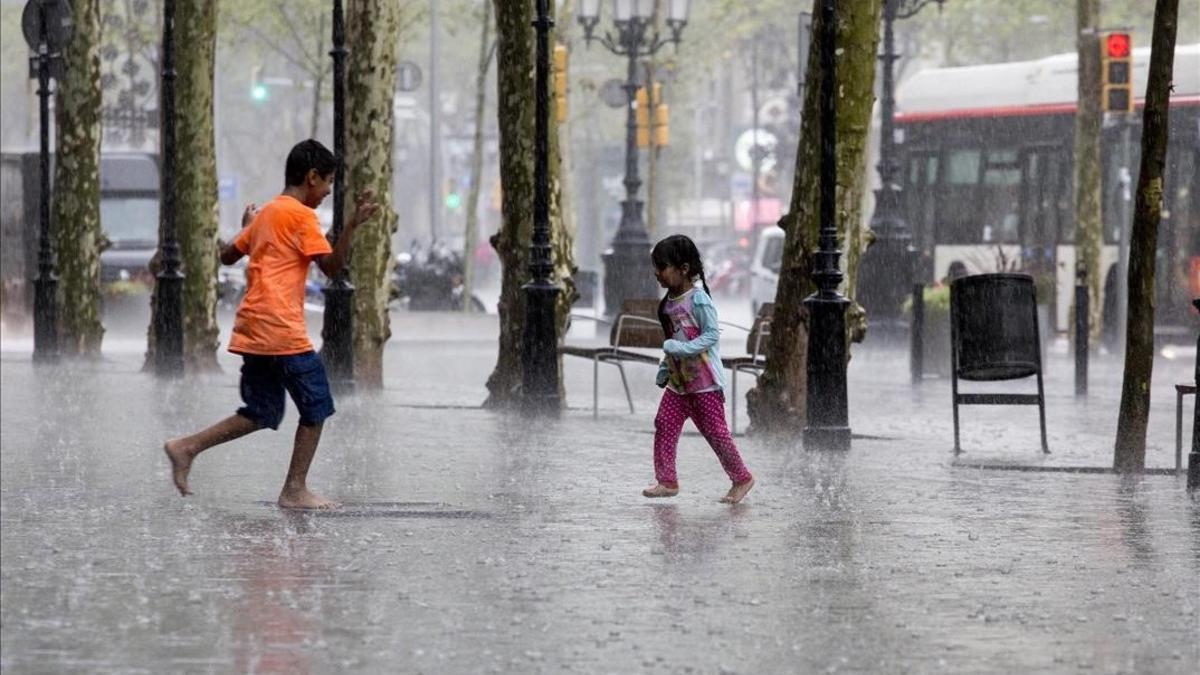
306, 156
676, 251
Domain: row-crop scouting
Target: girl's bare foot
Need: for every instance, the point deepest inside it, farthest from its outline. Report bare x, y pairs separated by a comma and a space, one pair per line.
660, 490
302, 498
738, 491
181, 464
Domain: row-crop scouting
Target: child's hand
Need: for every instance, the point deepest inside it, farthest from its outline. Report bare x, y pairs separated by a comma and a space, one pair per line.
365, 207
661, 379
249, 214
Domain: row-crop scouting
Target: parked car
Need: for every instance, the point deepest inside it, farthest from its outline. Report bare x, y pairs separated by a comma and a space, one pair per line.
765, 266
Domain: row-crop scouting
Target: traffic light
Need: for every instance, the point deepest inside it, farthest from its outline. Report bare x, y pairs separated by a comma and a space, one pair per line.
661, 130
644, 105
560, 82
642, 109
258, 90
452, 198
1116, 73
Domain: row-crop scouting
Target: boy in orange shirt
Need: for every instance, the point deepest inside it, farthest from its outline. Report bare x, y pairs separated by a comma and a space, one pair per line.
269, 332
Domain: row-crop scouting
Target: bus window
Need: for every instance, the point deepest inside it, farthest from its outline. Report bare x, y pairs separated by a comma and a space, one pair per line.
1000, 197
956, 205
919, 197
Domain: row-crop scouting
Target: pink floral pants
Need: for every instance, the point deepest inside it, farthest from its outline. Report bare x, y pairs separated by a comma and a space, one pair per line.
707, 410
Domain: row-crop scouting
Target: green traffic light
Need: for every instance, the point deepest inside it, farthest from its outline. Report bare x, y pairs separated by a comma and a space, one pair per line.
453, 200
259, 92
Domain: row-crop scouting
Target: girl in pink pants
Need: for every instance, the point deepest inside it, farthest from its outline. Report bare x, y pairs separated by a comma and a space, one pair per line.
691, 370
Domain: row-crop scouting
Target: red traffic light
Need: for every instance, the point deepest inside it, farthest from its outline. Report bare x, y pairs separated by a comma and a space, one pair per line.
1117, 45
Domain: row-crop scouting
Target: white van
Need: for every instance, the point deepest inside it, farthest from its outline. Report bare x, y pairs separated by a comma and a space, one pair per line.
764, 269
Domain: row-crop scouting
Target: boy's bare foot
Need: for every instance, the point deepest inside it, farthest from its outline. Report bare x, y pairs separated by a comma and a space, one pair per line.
302, 498
660, 490
181, 464
738, 491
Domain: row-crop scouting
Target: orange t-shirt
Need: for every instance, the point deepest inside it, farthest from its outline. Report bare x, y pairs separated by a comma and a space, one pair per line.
281, 242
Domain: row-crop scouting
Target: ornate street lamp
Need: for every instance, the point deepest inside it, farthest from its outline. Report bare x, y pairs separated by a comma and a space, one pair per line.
828, 421
337, 331
48, 28
626, 261
168, 315
887, 269
539, 357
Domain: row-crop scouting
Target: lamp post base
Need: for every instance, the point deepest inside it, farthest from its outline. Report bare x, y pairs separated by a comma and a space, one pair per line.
828, 418
628, 274
45, 320
337, 333
884, 282
539, 357
168, 326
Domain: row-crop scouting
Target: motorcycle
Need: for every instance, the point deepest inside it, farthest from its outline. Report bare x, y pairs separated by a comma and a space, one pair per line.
431, 280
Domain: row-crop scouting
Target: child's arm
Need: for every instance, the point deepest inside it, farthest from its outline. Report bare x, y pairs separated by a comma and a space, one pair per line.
710, 332
230, 253
332, 263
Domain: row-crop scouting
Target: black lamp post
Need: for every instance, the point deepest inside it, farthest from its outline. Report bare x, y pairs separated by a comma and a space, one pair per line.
47, 28
539, 358
828, 420
626, 263
886, 273
168, 316
337, 331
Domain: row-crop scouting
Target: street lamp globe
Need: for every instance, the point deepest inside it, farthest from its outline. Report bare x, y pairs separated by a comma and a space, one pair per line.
678, 10
588, 10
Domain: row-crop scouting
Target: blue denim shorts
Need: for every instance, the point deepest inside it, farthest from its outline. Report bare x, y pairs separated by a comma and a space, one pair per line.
266, 378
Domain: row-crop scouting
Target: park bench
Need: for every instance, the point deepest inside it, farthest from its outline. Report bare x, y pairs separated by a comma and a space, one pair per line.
755, 359
632, 334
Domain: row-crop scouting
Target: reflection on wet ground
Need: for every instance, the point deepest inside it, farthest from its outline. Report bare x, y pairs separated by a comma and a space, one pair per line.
471, 541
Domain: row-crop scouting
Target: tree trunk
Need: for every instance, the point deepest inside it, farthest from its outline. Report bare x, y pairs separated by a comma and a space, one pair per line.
777, 403
471, 235
196, 181
1130, 451
1088, 225
515, 112
371, 29
75, 217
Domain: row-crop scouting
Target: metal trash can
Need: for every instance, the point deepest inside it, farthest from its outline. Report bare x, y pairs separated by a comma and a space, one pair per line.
994, 323
994, 336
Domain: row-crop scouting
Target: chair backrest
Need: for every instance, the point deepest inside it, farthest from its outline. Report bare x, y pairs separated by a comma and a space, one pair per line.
993, 327
637, 325
760, 332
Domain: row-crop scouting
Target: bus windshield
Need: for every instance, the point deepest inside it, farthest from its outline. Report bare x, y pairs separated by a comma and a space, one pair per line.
129, 221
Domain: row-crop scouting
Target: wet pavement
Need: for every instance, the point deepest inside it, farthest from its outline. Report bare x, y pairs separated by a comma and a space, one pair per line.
472, 541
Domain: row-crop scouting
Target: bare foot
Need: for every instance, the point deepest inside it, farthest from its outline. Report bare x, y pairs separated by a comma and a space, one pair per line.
181, 464
304, 499
660, 490
738, 491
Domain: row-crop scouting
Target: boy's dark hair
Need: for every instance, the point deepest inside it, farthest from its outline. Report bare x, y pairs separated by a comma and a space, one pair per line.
676, 250
306, 156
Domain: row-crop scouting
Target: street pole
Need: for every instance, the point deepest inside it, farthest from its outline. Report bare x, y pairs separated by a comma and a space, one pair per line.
886, 272
337, 332
828, 420
539, 356
168, 316
1126, 216
45, 300
627, 260
435, 123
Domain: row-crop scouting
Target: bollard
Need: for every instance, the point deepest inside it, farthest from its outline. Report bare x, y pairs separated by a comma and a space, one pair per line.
1193, 476
1081, 330
917, 355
